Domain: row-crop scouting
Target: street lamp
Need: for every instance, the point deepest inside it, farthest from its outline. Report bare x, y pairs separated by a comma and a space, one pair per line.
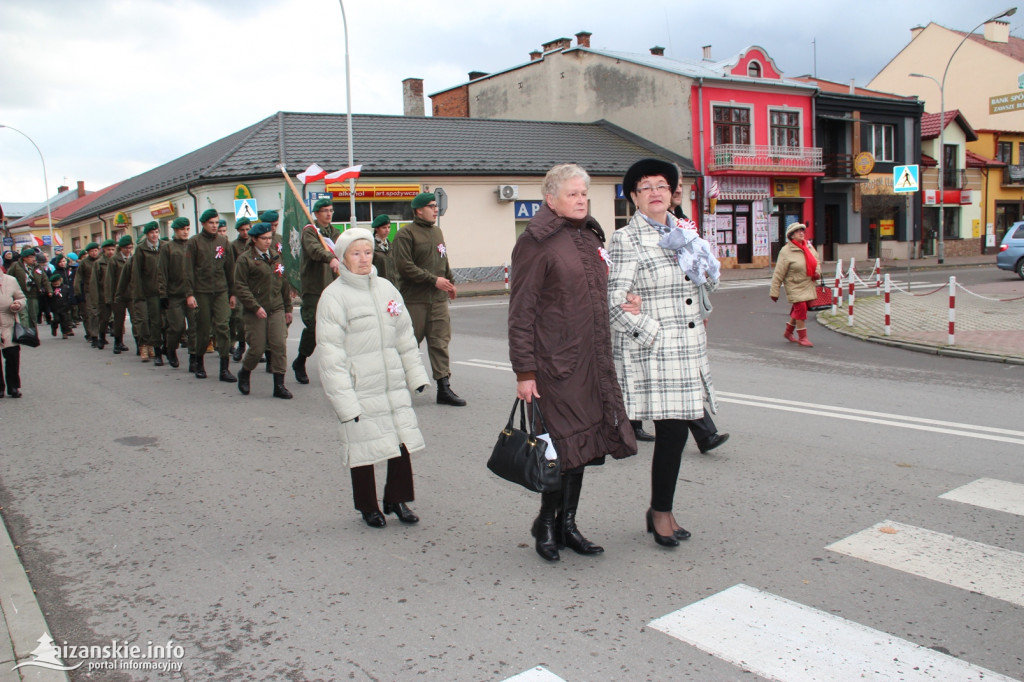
942, 122
46, 184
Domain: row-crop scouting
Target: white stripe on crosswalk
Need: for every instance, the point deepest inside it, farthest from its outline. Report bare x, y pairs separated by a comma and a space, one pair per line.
779, 639
538, 674
985, 569
990, 493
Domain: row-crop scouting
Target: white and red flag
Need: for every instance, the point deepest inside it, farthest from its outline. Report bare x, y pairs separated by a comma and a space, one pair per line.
312, 174
344, 174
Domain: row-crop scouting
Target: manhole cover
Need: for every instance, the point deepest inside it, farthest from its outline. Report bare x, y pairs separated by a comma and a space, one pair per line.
137, 441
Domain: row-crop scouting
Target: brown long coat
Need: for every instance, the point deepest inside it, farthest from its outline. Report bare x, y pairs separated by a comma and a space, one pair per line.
558, 333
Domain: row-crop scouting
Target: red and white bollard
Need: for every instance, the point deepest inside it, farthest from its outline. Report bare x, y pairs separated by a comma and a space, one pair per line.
888, 309
837, 290
878, 276
506, 275
952, 308
851, 295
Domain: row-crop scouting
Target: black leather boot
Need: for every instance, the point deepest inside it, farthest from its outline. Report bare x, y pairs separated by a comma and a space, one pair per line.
192, 362
225, 373
158, 360
200, 371
236, 355
119, 346
279, 390
266, 357
299, 366
572, 484
243, 381
544, 528
172, 358
101, 341
446, 396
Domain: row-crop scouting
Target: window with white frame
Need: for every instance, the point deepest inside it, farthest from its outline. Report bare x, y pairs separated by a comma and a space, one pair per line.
732, 125
878, 138
785, 128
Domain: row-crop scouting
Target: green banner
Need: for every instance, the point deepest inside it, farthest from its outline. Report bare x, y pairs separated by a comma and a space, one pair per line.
291, 245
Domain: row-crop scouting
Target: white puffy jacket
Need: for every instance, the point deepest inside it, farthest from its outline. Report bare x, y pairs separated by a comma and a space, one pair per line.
369, 360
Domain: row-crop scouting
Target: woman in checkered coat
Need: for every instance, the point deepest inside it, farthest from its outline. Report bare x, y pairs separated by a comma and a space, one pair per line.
661, 354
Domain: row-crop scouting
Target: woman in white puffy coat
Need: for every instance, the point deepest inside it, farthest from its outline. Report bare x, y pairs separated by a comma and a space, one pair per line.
369, 361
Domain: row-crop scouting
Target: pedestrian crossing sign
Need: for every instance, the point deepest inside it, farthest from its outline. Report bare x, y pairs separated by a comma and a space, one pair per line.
246, 208
905, 179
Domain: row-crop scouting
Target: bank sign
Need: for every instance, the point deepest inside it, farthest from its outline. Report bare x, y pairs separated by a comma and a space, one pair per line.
1001, 104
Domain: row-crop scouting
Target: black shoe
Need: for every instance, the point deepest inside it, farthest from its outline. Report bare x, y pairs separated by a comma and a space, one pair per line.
681, 534
14, 393
374, 519
101, 342
225, 373
446, 396
281, 392
571, 536
53, 330
712, 443
119, 346
236, 354
402, 511
158, 360
299, 366
663, 540
192, 362
200, 367
641, 435
243, 381
172, 358
544, 528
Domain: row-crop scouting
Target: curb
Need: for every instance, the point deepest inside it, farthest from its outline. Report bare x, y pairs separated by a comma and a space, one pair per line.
22, 619
926, 348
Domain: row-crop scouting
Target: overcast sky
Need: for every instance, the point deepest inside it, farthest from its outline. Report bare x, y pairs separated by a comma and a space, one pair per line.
111, 88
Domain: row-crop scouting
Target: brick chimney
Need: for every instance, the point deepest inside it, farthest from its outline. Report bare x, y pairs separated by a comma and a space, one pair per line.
997, 31
556, 44
914, 32
81, 188
535, 55
412, 97
583, 39
707, 53
475, 75
62, 188
658, 51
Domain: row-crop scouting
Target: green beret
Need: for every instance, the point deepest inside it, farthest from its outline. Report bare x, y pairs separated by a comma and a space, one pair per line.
180, 223
106, 243
222, 223
422, 199
28, 251
269, 217
55, 276
259, 228
242, 222
151, 225
323, 202
91, 245
208, 214
381, 221
126, 240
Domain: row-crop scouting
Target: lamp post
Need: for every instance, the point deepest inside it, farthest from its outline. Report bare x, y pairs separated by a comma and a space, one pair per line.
942, 122
46, 184
348, 116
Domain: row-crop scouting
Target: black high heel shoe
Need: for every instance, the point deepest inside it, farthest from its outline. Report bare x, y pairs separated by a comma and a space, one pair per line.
400, 510
374, 519
663, 540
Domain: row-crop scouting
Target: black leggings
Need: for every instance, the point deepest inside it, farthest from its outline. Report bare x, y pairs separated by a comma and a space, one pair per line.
669, 440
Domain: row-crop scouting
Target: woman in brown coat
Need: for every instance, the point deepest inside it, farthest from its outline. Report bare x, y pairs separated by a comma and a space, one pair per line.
796, 269
560, 347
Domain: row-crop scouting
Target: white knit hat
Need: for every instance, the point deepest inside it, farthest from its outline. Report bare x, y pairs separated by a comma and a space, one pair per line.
350, 235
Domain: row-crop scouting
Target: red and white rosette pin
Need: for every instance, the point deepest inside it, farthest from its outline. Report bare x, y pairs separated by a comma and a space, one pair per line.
279, 270
394, 308
603, 253
441, 249
219, 253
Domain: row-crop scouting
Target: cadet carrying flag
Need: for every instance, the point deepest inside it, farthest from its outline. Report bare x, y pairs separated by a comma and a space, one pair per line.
291, 244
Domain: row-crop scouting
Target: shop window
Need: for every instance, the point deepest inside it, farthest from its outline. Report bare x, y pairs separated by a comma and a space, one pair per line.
732, 125
877, 138
785, 128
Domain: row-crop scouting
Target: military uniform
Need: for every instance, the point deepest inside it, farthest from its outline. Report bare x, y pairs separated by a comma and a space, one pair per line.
315, 274
209, 278
237, 325
123, 296
171, 261
99, 302
384, 261
118, 308
34, 283
146, 292
83, 283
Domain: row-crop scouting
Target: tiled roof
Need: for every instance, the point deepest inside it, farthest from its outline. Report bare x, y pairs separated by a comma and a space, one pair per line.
1013, 48
389, 146
930, 127
979, 161
40, 219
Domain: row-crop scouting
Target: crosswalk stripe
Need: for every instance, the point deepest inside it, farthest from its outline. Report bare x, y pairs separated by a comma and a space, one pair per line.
975, 566
538, 674
779, 639
990, 493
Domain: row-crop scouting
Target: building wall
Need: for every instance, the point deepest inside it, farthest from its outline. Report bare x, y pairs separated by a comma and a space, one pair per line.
452, 103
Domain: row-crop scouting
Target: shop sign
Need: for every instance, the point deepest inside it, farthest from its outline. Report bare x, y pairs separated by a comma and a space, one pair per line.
525, 210
243, 192
122, 220
787, 188
863, 163
1001, 104
165, 209
372, 192
887, 227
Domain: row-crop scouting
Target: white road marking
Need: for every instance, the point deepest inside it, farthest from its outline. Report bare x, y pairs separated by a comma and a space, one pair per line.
985, 569
538, 674
458, 306
990, 493
783, 640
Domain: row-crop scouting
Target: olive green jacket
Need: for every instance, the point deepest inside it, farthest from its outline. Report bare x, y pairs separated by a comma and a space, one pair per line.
146, 271
209, 265
314, 270
33, 281
262, 283
420, 258
172, 268
96, 294
115, 268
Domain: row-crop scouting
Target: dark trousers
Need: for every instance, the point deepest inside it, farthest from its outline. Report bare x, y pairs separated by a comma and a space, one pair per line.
702, 428
669, 440
12, 368
307, 341
398, 487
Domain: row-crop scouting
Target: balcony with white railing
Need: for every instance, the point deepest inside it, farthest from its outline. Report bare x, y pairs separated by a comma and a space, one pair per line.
764, 158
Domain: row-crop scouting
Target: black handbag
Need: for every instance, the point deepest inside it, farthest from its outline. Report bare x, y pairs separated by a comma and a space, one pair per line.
520, 457
25, 336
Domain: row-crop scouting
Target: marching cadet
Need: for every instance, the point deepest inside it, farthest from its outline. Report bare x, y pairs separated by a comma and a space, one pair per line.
33, 281
146, 292
209, 291
83, 283
383, 259
60, 303
273, 218
318, 266
172, 295
238, 246
118, 308
263, 291
123, 296
222, 228
98, 301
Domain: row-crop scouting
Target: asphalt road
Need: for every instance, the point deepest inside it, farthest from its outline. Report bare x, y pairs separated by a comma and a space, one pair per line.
151, 506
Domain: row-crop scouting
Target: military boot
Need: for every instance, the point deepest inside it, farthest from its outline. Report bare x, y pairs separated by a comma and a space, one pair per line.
225, 373
446, 396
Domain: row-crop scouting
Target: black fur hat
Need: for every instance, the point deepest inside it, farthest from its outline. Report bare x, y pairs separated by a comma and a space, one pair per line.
646, 168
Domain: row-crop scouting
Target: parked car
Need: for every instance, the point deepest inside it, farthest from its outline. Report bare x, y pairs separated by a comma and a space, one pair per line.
1011, 251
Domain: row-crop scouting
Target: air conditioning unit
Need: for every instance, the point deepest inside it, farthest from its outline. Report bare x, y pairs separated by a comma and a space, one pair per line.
508, 192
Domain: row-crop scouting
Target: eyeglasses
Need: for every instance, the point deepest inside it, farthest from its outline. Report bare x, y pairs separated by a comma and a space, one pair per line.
647, 189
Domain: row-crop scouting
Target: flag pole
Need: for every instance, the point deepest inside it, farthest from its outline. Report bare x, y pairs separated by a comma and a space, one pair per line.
348, 116
302, 202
